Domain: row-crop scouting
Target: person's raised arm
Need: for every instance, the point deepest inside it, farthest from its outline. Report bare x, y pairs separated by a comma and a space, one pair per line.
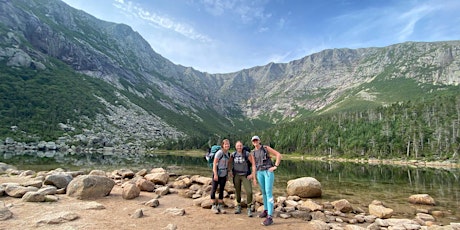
277, 155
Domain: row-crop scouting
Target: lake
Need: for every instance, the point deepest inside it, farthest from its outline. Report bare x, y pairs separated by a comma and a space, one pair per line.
356, 182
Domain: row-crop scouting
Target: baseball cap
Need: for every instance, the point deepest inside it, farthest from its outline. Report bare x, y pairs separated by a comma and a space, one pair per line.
255, 138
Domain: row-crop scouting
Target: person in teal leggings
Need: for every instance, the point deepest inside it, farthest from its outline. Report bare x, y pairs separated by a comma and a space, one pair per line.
265, 168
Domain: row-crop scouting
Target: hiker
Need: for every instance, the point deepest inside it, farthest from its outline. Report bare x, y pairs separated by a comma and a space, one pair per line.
265, 176
219, 176
241, 162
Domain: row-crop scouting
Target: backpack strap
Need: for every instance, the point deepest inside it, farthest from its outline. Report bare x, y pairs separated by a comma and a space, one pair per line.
220, 158
246, 155
265, 151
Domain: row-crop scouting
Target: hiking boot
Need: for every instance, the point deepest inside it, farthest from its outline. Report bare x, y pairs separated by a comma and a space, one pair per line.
238, 209
220, 207
268, 221
249, 212
214, 209
263, 214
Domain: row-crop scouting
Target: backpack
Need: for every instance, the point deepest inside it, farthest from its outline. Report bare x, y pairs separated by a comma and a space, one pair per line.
211, 153
247, 149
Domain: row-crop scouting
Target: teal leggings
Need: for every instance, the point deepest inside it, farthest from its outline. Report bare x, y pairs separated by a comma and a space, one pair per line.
266, 180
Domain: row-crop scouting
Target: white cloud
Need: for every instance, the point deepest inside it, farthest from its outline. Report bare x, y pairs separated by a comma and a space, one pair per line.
409, 19
162, 21
246, 11
279, 58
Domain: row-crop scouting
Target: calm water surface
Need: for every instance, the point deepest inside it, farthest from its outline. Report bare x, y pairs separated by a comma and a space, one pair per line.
358, 183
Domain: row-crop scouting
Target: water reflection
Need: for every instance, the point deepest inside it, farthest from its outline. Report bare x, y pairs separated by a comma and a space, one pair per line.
358, 183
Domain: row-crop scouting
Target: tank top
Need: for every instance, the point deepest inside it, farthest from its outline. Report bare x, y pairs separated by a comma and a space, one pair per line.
262, 160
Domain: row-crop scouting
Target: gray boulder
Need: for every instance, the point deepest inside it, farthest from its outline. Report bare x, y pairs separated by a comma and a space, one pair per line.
33, 197
152, 203
145, 185
342, 205
422, 199
59, 180
377, 209
162, 190
88, 187
18, 191
125, 173
97, 172
158, 178
305, 187
130, 191
48, 190
33, 183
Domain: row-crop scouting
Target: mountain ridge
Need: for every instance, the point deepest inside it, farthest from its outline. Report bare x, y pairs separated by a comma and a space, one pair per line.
184, 102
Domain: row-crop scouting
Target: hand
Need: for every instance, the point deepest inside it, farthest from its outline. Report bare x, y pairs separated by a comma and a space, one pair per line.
249, 177
215, 178
272, 169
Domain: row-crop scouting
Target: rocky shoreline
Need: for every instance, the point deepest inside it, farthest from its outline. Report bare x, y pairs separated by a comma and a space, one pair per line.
63, 144
51, 186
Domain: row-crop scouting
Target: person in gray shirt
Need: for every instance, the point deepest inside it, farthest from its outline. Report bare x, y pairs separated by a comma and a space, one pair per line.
241, 162
265, 176
219, 176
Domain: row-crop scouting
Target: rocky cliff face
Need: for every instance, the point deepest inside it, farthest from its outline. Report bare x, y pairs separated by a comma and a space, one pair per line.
34, 31
317, 80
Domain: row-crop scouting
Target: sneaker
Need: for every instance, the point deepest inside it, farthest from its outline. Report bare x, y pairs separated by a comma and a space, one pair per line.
220, 208
268, 221
249, 212
238, 209
214, 209
263, 214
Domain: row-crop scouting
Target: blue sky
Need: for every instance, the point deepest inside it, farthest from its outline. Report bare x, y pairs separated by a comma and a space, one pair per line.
222, 36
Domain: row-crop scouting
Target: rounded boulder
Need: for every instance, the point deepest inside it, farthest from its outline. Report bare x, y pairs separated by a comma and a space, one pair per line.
305, 187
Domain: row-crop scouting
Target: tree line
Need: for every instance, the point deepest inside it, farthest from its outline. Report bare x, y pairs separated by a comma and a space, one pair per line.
428, 128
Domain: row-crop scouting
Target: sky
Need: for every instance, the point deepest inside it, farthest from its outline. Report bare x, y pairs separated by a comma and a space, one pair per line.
223, 36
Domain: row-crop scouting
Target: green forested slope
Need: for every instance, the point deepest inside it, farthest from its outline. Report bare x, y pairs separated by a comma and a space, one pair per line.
428, 128
36, 101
